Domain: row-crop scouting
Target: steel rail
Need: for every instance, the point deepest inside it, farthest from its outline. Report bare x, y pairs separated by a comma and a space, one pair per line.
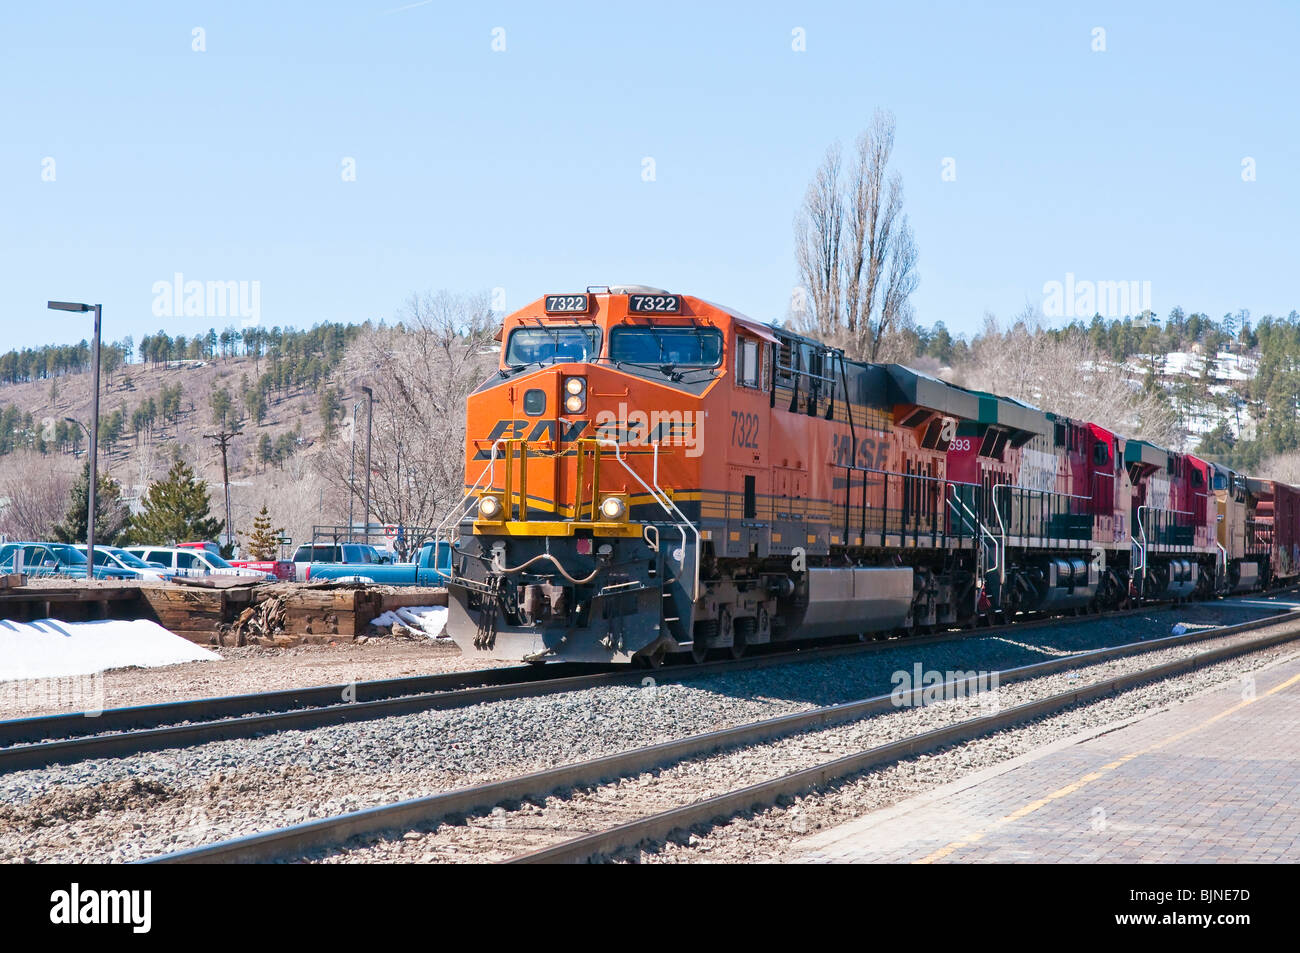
661, 825
47, 740
71, 724
126, 731
293, 840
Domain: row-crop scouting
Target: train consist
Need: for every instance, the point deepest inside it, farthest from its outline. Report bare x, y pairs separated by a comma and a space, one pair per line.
649, 473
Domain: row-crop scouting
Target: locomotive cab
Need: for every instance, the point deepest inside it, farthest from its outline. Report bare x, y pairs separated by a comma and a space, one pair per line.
578, 536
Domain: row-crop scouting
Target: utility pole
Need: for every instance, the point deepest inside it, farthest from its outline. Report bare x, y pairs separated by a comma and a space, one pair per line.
352, 471
370, 420
222, 440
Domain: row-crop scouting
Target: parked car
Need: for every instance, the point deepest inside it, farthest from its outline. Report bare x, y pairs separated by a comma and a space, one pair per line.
423, 572
56, 559
281, 569
352, 553
191, 562
116, 556
207, 546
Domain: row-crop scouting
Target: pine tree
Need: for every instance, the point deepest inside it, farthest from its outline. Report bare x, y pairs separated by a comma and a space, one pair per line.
111, 513
329, 409
263, 541
176, 509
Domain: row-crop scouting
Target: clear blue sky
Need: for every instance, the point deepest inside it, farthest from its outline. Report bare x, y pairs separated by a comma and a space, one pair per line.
522, 169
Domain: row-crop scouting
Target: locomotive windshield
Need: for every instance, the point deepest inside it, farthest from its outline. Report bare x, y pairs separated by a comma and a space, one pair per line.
552, 345
681, 347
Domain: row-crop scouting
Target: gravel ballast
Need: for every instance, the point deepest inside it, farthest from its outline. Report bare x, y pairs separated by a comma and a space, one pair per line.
504, 834
156, 802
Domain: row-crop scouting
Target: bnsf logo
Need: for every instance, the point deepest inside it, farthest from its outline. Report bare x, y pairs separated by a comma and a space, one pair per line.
542, 430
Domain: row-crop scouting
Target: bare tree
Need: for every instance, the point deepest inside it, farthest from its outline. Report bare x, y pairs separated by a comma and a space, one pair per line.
1064, 373
854, 247
1284, 467
818, 229
33, 494
422, 372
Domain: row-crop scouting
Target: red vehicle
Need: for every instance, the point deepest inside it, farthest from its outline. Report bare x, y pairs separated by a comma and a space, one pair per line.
281, 569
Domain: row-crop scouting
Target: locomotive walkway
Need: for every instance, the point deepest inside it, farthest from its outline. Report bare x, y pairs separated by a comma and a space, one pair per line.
1213, 779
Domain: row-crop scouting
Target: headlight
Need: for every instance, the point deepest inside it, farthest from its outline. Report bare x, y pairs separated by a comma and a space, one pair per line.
613, 508
490, 507
576, 388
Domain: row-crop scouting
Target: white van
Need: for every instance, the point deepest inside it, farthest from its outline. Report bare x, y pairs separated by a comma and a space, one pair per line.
192, 562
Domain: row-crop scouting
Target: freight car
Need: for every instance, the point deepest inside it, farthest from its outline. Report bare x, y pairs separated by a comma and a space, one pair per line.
650, 473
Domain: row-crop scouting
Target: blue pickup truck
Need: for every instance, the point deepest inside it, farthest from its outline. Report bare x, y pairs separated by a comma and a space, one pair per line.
57, 559
425, 571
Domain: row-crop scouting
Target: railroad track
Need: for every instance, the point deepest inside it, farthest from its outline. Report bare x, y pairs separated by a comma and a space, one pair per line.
296, 840
48, 740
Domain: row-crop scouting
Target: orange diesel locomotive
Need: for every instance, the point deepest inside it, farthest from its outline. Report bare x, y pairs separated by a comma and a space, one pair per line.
650, 473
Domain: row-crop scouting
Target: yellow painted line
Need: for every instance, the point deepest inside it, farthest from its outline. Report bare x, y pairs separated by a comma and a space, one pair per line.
1105, 769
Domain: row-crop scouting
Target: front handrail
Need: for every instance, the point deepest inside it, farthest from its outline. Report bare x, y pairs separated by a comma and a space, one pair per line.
955, 501
458, 511
668, 506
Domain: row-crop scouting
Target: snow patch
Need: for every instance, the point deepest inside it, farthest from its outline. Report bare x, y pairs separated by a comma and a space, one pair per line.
49, 648
430, 620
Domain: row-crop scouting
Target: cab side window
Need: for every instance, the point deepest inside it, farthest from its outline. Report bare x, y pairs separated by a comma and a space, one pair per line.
751, 362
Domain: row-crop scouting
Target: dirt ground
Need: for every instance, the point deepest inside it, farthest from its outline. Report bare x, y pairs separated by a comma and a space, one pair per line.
240, 670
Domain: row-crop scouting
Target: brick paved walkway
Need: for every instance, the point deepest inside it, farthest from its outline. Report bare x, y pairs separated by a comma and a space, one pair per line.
1213, 779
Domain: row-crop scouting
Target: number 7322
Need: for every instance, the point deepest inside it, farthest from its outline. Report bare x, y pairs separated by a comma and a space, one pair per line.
744, 429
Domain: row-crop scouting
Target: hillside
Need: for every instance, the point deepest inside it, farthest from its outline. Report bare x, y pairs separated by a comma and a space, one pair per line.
1227, 390
284, 397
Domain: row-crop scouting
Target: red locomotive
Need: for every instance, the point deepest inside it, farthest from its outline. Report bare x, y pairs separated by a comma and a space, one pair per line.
649, 473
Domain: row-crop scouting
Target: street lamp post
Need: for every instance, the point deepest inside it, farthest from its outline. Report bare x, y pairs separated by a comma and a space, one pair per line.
74, 420
352, 472
94, 427
370, 420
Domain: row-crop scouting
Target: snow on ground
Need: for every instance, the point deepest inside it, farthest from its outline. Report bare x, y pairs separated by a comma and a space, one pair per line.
427, 619
49, 648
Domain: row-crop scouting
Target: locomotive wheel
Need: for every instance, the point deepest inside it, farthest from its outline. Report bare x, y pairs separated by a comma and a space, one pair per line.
741, 630
651, 660
705, 636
